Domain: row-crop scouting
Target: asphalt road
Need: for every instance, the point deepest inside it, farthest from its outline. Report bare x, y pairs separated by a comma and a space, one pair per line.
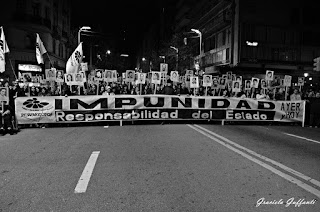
171, 167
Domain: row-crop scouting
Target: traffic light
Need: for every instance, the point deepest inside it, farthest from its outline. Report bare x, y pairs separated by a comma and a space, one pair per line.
316, 64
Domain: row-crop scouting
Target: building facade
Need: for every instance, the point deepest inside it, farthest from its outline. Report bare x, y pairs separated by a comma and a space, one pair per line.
22, 19
249, 37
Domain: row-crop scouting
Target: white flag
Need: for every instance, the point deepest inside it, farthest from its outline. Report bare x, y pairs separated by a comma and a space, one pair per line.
40, 50
75, 60
3, 49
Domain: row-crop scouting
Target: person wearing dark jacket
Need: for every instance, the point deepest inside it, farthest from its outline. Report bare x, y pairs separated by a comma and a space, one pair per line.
315, 111
168, 89
5, 118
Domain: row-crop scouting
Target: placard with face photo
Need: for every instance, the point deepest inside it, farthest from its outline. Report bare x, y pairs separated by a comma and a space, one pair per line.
69, 79
4, 95
27, 77
174, 76
229, 75
269, 75
263, 83
35, 79
255, 82
114, 75
141, 78
224, 76
194, 82
287, 80
84, 66
247, 85
50, 74
78, 79
187, 78
234, 77
300, 81
123, 76
239, 79
236, 86
155, 77
108, 76
130, 75
99, 74
59, 76
189, 72
163, 67
222, 82
207, 80
83, 75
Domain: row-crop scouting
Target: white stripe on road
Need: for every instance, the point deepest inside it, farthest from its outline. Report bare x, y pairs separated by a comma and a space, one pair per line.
291, 179
308, 139
86, 174
292, 171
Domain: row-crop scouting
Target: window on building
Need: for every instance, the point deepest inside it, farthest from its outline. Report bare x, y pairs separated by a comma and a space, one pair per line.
36, 9
21, 5
54, 46
60, 50
224, 37
48, 13
213, 42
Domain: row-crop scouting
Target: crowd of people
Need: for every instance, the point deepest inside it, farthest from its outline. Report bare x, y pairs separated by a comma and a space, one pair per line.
169, 88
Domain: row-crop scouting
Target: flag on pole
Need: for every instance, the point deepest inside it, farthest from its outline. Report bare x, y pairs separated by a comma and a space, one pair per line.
40, 50
75, 60
3, 49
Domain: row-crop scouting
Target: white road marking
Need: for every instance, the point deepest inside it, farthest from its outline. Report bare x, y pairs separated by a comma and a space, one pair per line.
86, 174
292, 171
308, 139
261, 163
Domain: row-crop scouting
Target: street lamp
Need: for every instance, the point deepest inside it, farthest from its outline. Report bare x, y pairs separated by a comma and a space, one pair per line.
84, 28
200, 35
108, 52
177, 50
143, 59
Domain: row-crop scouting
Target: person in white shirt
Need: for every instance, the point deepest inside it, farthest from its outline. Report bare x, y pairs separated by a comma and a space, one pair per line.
295, 96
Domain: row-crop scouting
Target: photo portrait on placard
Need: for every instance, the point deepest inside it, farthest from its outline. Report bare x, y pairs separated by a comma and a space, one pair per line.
83, 75
99, 75
255, 82
207, 80
222, 82
194, 82
114, 75
239, 78
108, 76
269, 75
4, 95
27, 77
141, 78
50, 74
247, 85
187, 77
234, 76
229, 75
189, 72
78, 79
69, 79
163, 67
287, 80
59, 76
236, 86
156, 77
130, 75
174, 76
263, 83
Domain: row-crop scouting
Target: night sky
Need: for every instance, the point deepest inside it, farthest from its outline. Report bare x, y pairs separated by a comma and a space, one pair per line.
121, 19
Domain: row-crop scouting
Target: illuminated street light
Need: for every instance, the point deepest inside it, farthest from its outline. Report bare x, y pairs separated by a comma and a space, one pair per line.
84, 28
124, 55
305, 74
143, 59
108, 52
200, 35
252, 43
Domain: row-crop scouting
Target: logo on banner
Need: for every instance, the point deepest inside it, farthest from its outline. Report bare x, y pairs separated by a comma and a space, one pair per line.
34, 104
